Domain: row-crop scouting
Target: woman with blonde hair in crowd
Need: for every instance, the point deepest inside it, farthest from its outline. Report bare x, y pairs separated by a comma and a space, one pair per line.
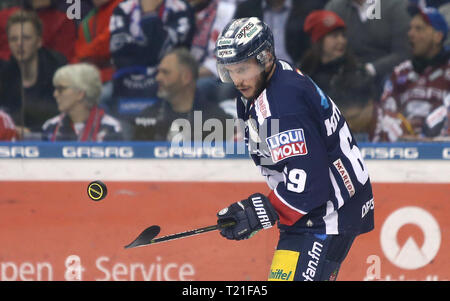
77, 92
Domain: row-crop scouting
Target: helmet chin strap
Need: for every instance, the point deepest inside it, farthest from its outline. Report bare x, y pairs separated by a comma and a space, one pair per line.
265, 75
270, 71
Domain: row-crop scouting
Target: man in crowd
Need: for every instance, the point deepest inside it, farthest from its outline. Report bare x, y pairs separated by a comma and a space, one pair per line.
30, 69
58, 31
182, 105
416, 100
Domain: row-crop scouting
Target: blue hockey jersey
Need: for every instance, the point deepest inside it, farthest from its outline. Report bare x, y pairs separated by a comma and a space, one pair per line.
302, 144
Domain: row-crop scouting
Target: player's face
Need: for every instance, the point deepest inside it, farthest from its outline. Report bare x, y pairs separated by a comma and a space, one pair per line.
334, 45
247, 77
24, 41
422, 38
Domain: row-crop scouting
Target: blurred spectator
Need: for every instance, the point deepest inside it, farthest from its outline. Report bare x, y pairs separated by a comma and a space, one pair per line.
445, 11
58, 34
211, 16
285, 18
73, 12
428, 3
377, 33
442, 5
142, 31
7, 127
416, 99
181, 102
92, 44
26, 80
77, 93
334, 69
4, 15
2, 65
7, 3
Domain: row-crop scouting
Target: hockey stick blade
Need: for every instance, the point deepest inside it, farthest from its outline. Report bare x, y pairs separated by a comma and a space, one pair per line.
147, 236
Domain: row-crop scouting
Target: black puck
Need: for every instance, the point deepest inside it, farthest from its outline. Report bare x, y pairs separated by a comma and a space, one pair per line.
97, 190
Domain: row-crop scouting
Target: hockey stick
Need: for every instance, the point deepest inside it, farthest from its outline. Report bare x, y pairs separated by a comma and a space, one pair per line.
147, 237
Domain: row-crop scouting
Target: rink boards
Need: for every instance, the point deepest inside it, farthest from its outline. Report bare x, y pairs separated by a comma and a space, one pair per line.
51, 230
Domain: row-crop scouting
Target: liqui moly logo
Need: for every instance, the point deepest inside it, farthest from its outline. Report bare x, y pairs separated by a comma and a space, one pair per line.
287, 144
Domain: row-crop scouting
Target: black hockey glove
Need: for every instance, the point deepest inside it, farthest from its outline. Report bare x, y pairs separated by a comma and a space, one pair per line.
250, 216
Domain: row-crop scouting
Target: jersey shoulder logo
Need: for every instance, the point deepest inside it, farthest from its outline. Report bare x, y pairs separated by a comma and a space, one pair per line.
262, 107
287, 144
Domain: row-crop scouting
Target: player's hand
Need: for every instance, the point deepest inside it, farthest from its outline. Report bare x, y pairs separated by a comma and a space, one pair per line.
250, 216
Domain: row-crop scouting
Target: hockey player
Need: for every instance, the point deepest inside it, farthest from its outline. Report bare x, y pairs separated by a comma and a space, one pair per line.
321, 196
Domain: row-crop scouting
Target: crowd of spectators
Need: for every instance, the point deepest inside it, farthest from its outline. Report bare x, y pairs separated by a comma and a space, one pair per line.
108, 70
